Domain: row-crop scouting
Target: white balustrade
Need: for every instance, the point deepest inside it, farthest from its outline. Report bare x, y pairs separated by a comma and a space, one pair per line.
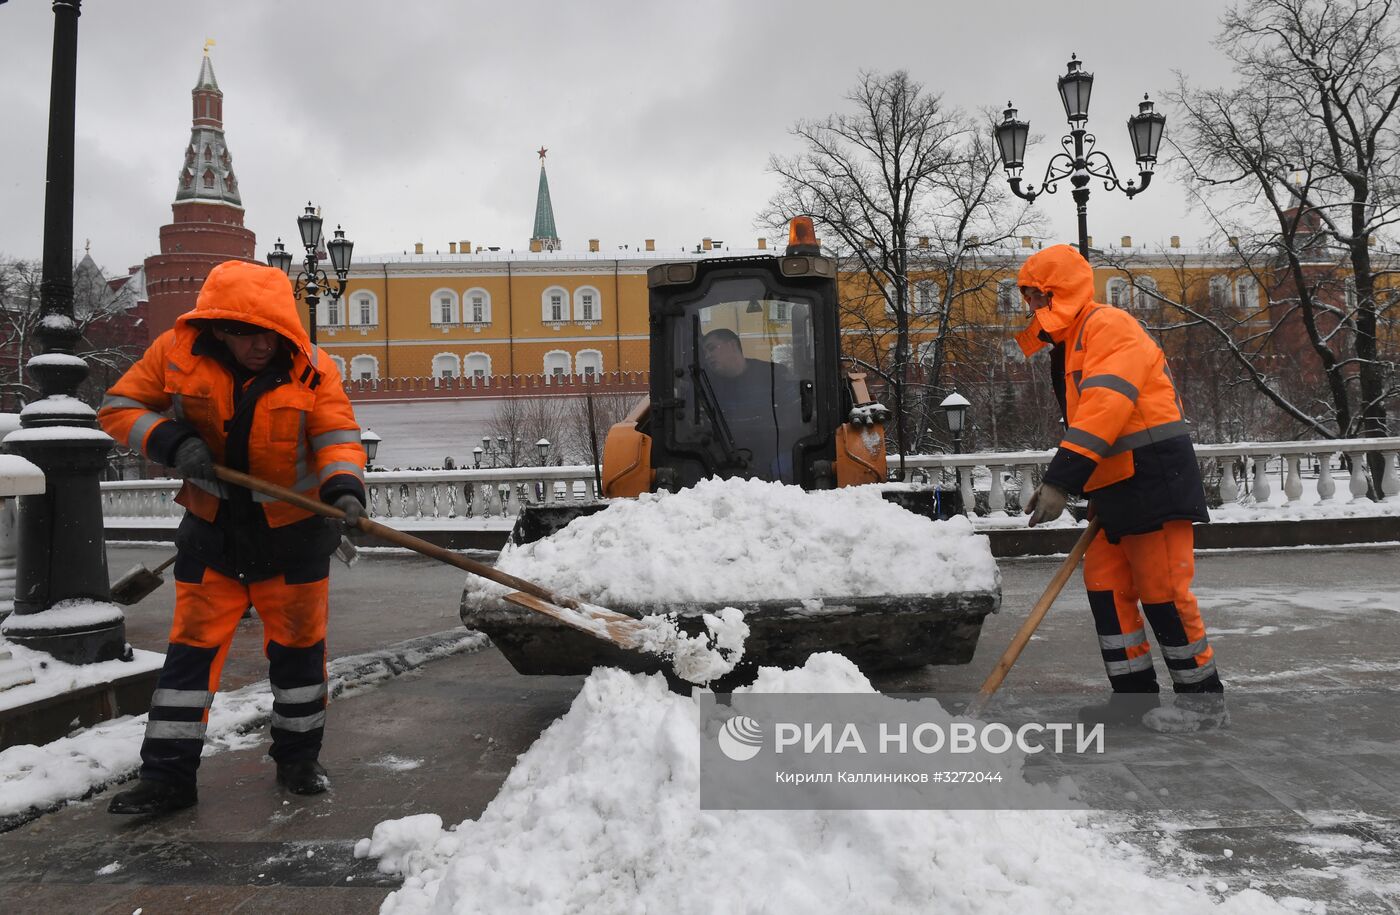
461, 495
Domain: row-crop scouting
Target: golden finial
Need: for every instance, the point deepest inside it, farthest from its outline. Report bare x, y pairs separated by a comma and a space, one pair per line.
208, 43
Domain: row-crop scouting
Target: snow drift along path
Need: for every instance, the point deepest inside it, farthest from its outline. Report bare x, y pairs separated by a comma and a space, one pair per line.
603, 814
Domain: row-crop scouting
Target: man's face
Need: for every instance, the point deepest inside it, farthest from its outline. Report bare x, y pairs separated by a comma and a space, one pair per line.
1035, 298
722, 356
253, 351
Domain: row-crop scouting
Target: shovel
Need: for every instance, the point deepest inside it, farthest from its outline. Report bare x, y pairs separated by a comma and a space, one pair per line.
1042, 606
599, 622
136, 584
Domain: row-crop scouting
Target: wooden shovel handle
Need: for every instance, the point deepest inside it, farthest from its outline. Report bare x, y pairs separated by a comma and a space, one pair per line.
397, 537
1042, 606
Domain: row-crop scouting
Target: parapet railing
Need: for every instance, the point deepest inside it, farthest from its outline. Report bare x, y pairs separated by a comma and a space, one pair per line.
448, 495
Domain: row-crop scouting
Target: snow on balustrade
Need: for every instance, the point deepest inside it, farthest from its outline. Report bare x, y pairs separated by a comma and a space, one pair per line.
1254, 480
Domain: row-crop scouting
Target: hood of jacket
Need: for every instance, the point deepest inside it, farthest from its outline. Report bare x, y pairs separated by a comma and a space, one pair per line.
254, 294
1064, 273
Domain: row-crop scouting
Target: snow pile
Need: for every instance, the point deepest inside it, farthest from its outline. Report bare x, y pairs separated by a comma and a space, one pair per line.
699, 658
77, 613
747, 540
52, 677
603, 814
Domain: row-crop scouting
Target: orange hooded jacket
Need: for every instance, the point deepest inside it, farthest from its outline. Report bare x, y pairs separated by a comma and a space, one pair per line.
302, 433
1126, 440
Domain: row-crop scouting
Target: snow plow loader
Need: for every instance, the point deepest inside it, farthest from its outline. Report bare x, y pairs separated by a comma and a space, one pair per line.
746, 381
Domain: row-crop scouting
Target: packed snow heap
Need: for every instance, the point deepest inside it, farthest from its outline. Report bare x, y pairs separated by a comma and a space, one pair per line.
603, 814
748, 540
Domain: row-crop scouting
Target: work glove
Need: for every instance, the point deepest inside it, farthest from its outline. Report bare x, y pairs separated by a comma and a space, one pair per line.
193, 461
354, 510
1046, 504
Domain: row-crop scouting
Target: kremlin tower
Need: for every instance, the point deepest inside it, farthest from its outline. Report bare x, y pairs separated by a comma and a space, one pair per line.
208, 213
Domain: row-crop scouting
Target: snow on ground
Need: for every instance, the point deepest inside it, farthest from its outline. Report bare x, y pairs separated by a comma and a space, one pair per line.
760, 541
36, 778
603, 814
53, 677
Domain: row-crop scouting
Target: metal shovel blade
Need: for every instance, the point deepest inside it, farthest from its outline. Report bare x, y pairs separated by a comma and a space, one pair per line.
138, 583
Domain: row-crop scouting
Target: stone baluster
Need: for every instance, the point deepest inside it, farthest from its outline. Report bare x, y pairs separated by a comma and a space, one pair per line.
1358, 475
1027, 485
996, 496
1326, 486
1261, 479
8, 552
969, 498
1229, 490
1390, 483
548, 492
1293, 481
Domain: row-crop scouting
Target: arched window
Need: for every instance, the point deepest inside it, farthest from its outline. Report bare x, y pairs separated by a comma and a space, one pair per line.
477, 367
1220, 291
331, 312
364, 368
556, 364
926, 298
445, 365
442, 305
1247, 293
364, 309
1118, 291
554, 305
1145, 293
926, 352
476, 306
589, 364
208, 177
1008, 297
339, 364
588, 304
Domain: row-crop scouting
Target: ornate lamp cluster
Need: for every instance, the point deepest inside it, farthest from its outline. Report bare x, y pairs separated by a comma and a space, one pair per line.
1079, 161
312, 282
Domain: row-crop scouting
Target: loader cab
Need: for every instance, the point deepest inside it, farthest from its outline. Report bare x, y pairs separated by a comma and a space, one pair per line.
745, 370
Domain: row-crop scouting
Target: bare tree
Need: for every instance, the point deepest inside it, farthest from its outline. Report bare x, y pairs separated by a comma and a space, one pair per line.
108, 347
1300, 165
906, 191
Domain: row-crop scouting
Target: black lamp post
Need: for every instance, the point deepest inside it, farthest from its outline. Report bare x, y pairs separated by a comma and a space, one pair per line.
62, 555
370, 440
955, 409
542, 446
1079, 161
312, 281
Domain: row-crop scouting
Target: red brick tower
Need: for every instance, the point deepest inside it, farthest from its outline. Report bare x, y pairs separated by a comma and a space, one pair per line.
208, 226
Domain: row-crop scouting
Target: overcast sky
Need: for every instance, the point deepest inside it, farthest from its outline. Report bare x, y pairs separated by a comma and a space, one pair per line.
418, 121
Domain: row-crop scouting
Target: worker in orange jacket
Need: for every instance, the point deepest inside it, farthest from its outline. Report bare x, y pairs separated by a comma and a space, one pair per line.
237, 381
1127, 447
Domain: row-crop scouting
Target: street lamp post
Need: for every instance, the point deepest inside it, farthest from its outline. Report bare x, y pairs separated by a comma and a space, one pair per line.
312, 282
1079, 161
370, 440
62, 555
955, 409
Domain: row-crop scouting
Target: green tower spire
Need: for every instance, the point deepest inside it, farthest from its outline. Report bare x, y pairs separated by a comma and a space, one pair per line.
546, 236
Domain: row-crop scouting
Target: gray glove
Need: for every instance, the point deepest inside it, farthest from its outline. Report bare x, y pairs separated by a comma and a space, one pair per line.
354, 510
1046, 504
193, 461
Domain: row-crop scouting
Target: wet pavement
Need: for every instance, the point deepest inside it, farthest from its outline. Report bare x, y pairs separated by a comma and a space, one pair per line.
1308, 627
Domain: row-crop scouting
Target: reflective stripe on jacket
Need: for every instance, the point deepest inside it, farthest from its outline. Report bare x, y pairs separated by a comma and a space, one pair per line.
1124, 419
303, 434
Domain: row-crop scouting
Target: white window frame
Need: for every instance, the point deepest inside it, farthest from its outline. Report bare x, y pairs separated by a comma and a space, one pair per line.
780, 310
435, 305
1008, 297
547, 306
1247, 293
357, 364
1146, 293
1117, 292
927, 298
477, 362
339, 365
1219, 290
356, 310
331, 310
587, 360
447, 361
469, 307
554, 360
579, 294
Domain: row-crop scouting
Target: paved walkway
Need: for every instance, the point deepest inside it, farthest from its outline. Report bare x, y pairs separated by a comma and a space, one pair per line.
441, 739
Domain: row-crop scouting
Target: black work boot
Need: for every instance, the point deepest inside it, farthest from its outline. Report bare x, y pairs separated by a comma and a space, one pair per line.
1121, 708
303, 776
151, 796
1190, 712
